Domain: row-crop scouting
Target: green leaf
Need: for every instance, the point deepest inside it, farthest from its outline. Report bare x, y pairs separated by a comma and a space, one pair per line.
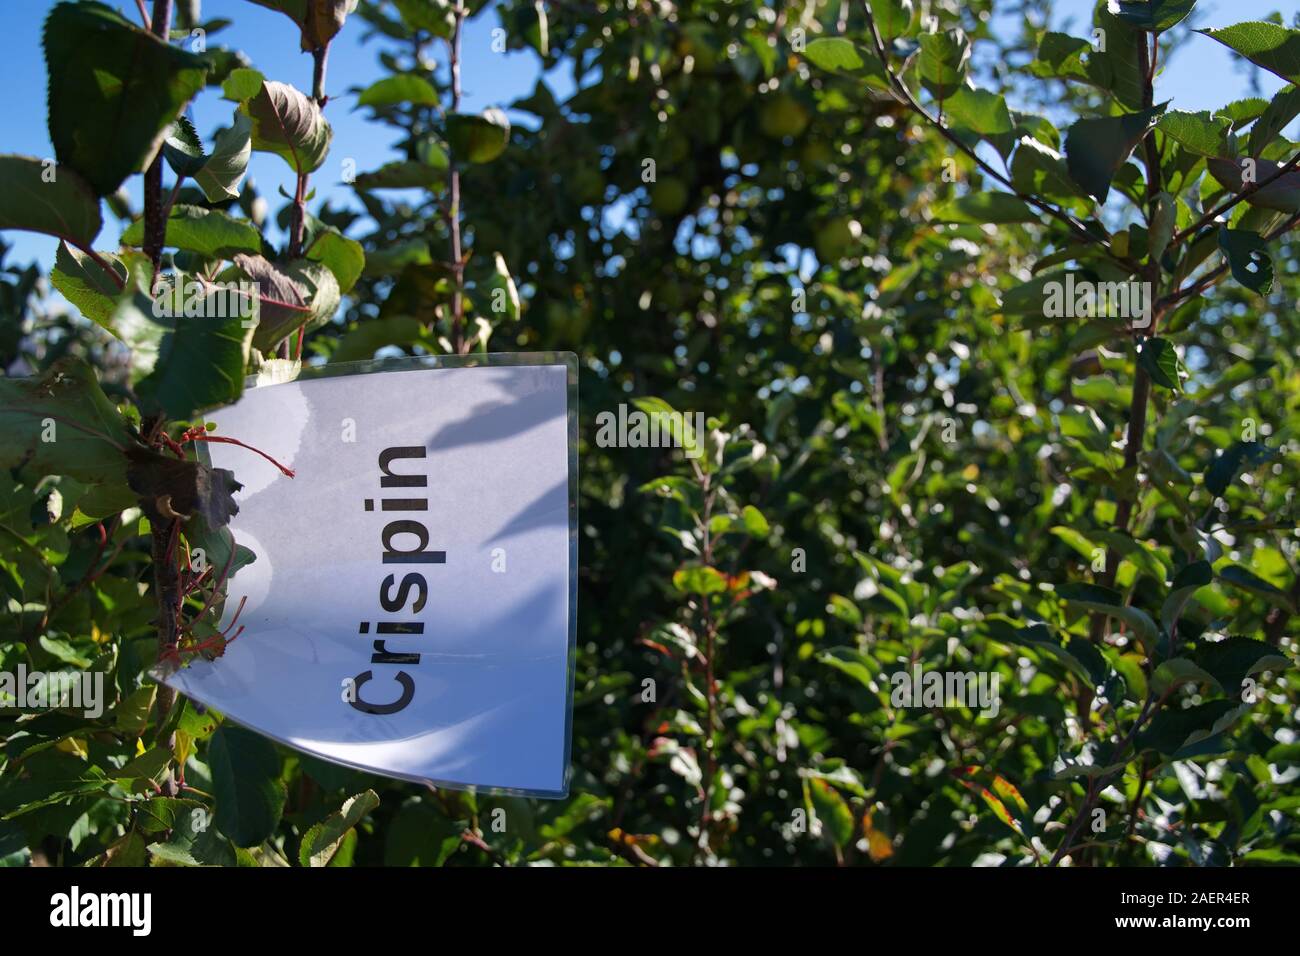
943, 62
322, 841
996, 805
1203, 133
193, 841
1116, 69
754, 521
1281, 110
1097, 599
183, 149
281, 299
497, 296
290, 125
136, 774
114, 90
1164, 217
985, 207
64, 651
1061, 56
421, 835
221, 61
1178, 671
246, 784
224, 170
342, 256
393, 259
1233, 659
402, 174
201, 362
437, 18
242, 84
419, 288
134, 321
1077, 655
851, 661
317, 304
63, 424
39, 196
1129, 667
218, 545
1271, 856
1160, 359
1100, 390
319, 20
1096, 148
1081, 544
1084, 424
845, 610
205, 232
1247, 580
1190, 731
1226, 465
1187, 582
131, 716
833, 812
1273, 47
1007, 791
1281, 194
1244, 110
370, 335
700, 580
478, 139
1039, 170
833, 53
86, 284
128, 851
894, 18
1152, 15
1248, 258
980, 111
19, 796
1145, 558
403, 89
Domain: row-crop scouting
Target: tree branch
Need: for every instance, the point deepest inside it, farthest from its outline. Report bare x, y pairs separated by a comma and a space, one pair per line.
155, 220
453, 214
1137, 414
1246, 193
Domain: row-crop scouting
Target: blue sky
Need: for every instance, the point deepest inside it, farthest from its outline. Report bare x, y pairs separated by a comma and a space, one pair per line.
1200, 75
270, 41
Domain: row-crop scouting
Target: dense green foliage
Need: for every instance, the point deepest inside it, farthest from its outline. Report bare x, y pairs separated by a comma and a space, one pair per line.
821, 225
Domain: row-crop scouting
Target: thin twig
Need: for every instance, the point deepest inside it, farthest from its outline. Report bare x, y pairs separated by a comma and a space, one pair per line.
1098, 785
1248, 190
1213, 276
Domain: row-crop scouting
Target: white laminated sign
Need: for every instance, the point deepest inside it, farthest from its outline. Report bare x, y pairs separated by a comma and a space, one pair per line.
410, 611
